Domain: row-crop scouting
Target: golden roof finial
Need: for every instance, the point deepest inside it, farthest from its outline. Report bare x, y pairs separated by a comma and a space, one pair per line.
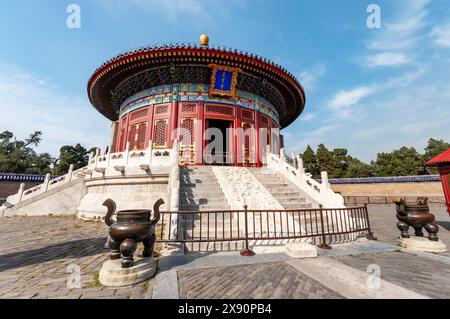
204, 40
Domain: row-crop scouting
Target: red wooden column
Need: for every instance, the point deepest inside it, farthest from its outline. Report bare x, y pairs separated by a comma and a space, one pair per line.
173, 122
199, 133
148, 134
444, 171
257, 126
238, 138
123, 133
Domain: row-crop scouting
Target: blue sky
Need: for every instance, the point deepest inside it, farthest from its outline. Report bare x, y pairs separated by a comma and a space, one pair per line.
368, 90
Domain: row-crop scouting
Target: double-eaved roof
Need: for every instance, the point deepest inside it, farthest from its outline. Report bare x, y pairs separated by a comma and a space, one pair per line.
133, 71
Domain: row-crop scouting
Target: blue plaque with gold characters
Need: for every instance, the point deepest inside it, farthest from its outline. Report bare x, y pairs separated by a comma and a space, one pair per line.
223, 80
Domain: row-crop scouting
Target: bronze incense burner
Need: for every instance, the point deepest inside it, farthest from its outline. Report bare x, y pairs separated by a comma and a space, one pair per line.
416, 216
131, 227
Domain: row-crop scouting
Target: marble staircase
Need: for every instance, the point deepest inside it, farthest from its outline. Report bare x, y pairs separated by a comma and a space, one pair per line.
200, 191
289, 196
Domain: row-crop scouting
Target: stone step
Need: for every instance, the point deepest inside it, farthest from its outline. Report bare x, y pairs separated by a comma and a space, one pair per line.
276, 185
297, 205
212, 187
197, 181
204, 207
196, 193
288, 192
193, 202
291, 199
187, 197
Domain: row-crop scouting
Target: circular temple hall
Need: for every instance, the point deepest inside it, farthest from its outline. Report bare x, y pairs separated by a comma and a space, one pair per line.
158, 94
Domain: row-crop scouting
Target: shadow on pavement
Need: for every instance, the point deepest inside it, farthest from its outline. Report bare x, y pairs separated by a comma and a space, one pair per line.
70, 249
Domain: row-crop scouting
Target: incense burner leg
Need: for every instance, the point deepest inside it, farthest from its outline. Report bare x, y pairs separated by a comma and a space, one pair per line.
127, 249
149, 243
114, 248
418, 231
432, 230
403, 227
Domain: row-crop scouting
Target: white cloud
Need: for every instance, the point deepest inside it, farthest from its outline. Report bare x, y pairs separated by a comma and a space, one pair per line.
31, 103
441, 35
345, 99
403, 31
309, 78
399, 38
344, 102
307, 117
388, 59
171, 10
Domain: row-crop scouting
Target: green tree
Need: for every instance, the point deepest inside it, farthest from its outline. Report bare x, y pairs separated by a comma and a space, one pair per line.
325, 160
340, 161
402, 162
310, 162
17, 156
76, 155
357, 168
434, 148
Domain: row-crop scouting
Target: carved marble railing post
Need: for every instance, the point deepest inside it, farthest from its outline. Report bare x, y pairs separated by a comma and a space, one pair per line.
175, 155
20, 192
46, 182
70, 173
294, 159
325, 185
150, 151
300, 170
91, 157
282, 155
127, 153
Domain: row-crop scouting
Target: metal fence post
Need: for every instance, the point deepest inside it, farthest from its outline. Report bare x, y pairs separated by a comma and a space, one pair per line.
323, 244
247, 251
370, 235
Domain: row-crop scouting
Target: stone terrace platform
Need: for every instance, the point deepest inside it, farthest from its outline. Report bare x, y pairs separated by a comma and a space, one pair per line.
35, 253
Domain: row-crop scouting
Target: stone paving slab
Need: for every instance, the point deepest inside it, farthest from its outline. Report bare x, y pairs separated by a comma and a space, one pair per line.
35, 253
264, 280
423, 275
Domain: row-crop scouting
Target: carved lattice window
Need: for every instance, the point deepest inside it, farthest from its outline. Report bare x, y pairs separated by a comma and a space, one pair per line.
161, 109
247, 141
220, 109
187, 151
140, 139
188, 108
160, 134
132, 136
138, 114
187, 124
136, 136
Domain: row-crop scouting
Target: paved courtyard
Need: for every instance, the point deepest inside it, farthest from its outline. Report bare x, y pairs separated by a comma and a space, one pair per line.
40, 256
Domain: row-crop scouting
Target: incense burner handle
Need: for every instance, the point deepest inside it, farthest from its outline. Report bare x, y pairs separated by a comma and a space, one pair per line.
111, 206
156, 213
401, 207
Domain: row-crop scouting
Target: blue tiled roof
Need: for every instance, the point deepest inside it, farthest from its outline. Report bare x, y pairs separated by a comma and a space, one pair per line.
9, 177
388, 179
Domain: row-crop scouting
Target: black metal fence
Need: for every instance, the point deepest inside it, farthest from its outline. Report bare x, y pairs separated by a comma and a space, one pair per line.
367, 200
324, 226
